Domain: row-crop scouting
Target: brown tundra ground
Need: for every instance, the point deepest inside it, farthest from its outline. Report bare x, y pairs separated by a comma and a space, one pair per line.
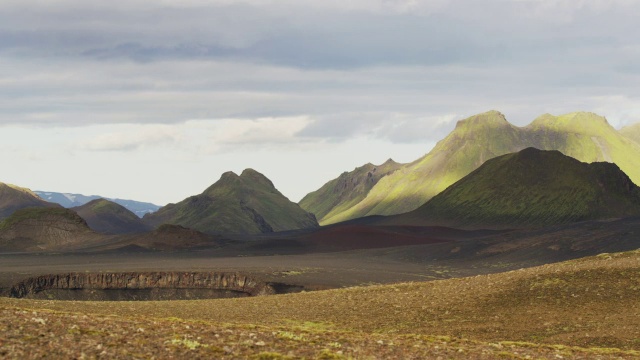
584, 309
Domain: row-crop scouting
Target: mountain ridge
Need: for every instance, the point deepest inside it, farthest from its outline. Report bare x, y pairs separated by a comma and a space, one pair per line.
529, 188
352, 186
585, 136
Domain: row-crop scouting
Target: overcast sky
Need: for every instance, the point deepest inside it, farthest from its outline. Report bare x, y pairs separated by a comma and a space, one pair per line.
153, 100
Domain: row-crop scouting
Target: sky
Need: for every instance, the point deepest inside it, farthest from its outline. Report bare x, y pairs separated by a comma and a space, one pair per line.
153, 100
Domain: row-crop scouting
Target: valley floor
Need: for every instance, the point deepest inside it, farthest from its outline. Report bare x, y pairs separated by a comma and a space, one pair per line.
589, 306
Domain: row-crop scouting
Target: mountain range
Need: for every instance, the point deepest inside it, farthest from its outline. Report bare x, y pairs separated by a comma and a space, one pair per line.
529, 189
585, 136
70, 200
481, 176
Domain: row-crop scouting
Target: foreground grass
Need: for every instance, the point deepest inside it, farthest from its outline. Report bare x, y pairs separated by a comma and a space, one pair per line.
587, 303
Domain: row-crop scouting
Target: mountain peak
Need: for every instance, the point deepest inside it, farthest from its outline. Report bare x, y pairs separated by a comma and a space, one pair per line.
228, 175
490, 119
256, 178
250, 172
244, 204
226, 178
575, 122
534, 154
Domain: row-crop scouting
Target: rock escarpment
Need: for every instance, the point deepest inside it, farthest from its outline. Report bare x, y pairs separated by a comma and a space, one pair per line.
145, 286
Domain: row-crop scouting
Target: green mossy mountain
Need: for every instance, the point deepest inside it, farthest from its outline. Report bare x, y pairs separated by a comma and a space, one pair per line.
632, 132
530, 188
244, 204
13, 198
347, 190
107, 217
585, 136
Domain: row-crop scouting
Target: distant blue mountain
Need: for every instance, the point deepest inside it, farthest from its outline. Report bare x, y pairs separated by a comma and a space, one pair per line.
72, 200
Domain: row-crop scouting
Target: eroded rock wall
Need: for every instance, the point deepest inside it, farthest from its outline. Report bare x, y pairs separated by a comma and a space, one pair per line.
143, 280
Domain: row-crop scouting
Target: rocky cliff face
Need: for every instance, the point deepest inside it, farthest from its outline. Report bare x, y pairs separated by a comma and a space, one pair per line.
203, 284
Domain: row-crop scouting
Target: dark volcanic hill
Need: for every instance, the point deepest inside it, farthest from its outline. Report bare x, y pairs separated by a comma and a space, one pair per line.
530, 188
42, 229
581, 135
107, 217
13, 198
245, 204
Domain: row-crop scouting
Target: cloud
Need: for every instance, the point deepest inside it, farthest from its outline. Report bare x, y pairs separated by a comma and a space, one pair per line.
347, 66
312, 34
260, 133
393, 127
197, 136
132, 137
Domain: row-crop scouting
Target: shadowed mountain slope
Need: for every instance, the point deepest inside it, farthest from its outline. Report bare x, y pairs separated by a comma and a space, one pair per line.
107, 217
531, 188
584, 136
13, 198
632, 132
347, 190
245, 204
35, 229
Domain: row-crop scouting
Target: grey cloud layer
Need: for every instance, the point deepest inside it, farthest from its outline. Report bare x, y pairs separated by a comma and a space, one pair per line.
299, 35
352, 68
